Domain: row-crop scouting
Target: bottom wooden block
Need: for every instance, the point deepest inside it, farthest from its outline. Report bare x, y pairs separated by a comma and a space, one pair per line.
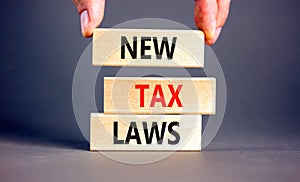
145, 132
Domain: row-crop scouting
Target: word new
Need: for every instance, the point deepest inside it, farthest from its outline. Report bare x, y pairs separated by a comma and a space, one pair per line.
133, 133
158, 95
132, 49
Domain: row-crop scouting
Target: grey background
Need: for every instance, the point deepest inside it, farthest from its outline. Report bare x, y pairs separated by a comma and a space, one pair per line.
259, 50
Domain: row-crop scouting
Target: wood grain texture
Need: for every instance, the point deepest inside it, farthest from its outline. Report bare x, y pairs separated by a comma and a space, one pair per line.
197, 95
188, 52
102, 134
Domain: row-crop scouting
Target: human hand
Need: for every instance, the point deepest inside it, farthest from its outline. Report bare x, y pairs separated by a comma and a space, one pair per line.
91, 15
210, 16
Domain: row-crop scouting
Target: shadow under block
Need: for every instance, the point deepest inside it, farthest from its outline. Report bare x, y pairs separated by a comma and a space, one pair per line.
148, 48
133, 133
157, 95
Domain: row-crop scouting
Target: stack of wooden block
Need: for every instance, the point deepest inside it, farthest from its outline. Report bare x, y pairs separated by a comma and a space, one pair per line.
151, 113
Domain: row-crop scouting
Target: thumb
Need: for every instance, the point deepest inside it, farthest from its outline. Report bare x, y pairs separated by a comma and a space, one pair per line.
91, 15
205, 15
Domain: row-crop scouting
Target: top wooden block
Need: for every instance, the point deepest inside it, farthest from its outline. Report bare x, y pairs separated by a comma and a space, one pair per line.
148, 48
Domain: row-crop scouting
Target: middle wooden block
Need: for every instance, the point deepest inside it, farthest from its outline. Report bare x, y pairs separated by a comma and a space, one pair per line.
158, 95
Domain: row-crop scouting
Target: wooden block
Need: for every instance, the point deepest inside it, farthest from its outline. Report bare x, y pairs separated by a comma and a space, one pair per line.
133, 133
157, 95
151, 48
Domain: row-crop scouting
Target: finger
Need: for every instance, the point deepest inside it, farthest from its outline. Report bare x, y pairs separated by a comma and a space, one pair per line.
215, 38
205, 15
223, 10
91, 15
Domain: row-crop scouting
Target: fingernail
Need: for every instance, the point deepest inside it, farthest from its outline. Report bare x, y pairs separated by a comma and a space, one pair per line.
217, 32
216, 36
84, 19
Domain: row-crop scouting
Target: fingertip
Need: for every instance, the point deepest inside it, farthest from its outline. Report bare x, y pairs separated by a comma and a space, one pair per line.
209, 42
210, 32
87, 34
205, 14
212, 41
85, 21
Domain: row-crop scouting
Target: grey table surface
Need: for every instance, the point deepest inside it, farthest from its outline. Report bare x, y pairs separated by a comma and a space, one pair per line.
25, 160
